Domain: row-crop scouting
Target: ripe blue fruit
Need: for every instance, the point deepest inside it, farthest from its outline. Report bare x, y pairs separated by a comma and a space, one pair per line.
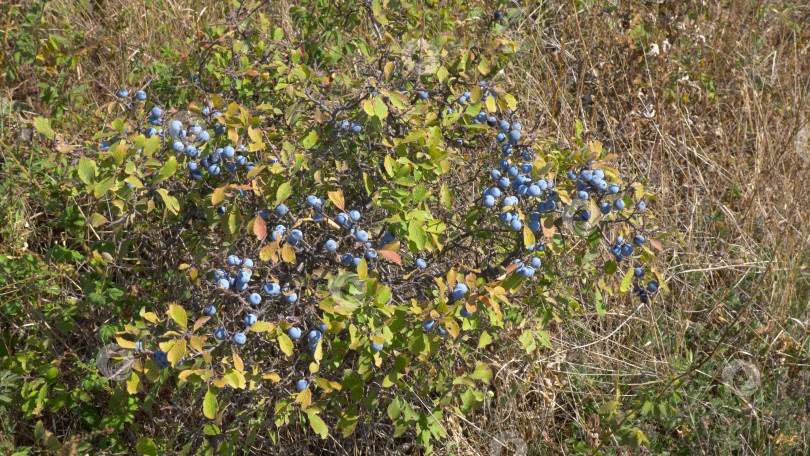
331, 245
459, 291
584, 216
347, 259
243, 276
371, 254
356, 261
322, 327
599, 173
240, 286
604, 208
495, 174
281, 210
296, 235
421, 263
627, 250
271, 288
376, 347
641, 206
228, 151
442, 331
572, 175
534, 225
294, 333
498, 15
514, 136
196, 174
241, 160
313, 337
505, 217
503, 182
503, 125
210, 310
613, 189
239, 339
489, 201
585, 175
160, 359
638, 240
250, 319
204, 136
500, 137
312, 201
354, 215
652, 286
175, 129
583, 195
512, 171
140, 95
206, 111
291, 298
535, 191
223, 284
123, 93
220, 333
526, 168
618, 204
192, 152
510, 200
516, 224
178, 146
255, 299
301, 385
492, 121
481, 117
536, 262
638, 272
357, 128
361, 236
464, 312
423, 95
156, 111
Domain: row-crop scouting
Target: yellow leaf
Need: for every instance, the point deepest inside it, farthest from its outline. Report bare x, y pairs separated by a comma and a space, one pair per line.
288, 254
336, 197
237, 362
177, 352
133, 382
178, 314
285, 344
304, 398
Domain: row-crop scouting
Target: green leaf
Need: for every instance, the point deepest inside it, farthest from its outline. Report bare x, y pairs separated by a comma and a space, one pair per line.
146, 446
310, 141
394, 410
482, 372
417, 234
171, 202
43, 126
168, 169
283, 192
210, 406
484, 340
380, 109
87, 170
318, 425
446, 197
626, 281
103, 187
285, 344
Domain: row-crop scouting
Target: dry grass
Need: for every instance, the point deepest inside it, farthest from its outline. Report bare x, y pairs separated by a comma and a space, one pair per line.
706, 101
